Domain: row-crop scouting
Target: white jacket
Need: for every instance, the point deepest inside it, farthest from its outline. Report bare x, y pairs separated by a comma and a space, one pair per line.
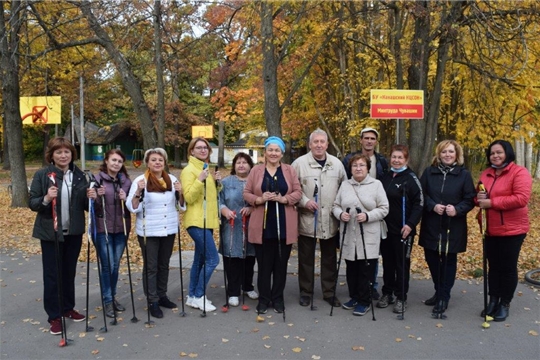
328, 180
369, 196
161, 216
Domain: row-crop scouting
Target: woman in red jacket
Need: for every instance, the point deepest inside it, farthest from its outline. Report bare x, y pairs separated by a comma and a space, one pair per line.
508, 190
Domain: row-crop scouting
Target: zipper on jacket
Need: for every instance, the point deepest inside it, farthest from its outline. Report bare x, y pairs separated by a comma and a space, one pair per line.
500, 211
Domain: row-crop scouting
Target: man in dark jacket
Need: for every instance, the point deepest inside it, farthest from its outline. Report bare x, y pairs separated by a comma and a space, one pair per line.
369, 139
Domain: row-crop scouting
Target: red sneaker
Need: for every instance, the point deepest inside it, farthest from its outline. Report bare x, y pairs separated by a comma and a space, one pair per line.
56, 326
74, 315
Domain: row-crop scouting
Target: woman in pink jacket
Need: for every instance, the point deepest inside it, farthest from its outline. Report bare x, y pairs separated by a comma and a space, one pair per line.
508, 190
273, 189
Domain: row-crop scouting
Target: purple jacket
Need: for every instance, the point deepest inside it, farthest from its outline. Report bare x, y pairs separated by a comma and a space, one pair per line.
113, 205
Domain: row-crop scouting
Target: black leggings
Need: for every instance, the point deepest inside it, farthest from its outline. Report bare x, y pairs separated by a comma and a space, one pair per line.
502, 253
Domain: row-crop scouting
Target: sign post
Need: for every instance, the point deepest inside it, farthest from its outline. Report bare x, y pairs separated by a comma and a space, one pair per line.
397, 104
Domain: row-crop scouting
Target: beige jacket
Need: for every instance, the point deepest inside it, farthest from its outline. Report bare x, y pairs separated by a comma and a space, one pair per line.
369, 196
328, 180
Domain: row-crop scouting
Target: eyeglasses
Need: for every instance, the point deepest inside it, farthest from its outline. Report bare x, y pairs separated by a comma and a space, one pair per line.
201, 148
358, 165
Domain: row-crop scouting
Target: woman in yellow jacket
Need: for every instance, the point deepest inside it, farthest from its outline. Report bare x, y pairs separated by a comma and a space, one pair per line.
200, 218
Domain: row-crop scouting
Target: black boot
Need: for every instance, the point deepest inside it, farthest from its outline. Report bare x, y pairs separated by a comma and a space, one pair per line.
109, 310
440, 307
492, 307
431, 301
155, 311
503, 312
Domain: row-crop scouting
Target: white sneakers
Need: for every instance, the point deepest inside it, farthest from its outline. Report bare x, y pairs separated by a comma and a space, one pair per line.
202, 303
252, 294
234, 301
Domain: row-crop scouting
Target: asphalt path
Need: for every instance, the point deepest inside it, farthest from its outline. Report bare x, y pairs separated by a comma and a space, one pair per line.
304, 334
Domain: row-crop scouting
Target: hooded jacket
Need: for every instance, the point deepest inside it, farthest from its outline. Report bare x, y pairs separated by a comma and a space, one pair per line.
510, 193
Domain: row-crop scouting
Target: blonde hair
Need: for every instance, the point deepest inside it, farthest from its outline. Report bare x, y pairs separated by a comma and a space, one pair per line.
159, 151
443, 145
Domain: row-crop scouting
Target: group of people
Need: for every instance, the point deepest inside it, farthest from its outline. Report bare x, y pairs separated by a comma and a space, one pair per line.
363, 208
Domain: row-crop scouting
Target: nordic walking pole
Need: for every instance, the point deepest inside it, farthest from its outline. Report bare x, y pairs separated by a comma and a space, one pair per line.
487, 318
225, 307
278, 232
358, 211
52, 182
404, 249
244, 255
266, 202
316, 215
183, 312
141, 201
339, 264
103, 207
89, 236
203, 314
94, 236
122, 203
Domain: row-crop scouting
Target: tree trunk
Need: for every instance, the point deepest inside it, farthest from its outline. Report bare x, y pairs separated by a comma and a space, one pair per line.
159, 76
423, 133
221, 145
9, 60
537, 172
272, 112
5, 149
129, 80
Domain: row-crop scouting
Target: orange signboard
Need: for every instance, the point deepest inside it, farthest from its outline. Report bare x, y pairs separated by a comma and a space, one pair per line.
204, 131
41, 109
397, 104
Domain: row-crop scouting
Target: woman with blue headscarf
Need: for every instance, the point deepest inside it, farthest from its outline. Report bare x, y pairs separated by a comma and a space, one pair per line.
272, 189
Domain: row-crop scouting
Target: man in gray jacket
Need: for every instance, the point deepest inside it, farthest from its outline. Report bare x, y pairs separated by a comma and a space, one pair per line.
320, 175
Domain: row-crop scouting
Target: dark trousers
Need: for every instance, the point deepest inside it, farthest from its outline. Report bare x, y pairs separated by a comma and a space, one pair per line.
239, 274
306, 259
502, 253
359, 275
443, 271
396, 267
156, 262
69, 254
272, 270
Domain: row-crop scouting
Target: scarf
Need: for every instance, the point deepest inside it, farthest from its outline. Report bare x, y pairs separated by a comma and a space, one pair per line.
153, 184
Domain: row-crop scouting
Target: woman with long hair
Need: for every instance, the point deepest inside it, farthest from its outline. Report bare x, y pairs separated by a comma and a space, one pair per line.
113, 186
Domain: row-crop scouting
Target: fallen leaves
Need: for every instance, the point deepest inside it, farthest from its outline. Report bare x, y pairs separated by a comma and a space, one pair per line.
297, 349
358, 348
533, 333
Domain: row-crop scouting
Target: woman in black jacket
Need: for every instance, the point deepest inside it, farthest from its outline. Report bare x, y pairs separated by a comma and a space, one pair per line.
449, 192
65, 184
403, 191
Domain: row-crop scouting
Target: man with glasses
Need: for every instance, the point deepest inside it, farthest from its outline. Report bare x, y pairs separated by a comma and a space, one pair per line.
369, 138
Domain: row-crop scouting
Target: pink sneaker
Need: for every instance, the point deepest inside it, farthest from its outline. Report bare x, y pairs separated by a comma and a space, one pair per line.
56, 326
74, 315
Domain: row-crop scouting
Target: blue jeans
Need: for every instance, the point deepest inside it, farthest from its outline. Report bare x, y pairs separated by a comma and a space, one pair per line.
200, 275
109, 270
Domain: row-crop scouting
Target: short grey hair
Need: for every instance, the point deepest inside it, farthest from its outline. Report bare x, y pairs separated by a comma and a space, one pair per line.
318, 131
